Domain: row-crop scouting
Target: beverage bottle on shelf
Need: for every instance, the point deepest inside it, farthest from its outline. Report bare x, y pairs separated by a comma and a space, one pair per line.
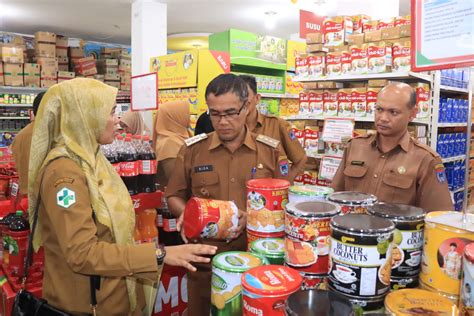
137, 235
148, 230
148, 166
18, 231
4, 223
137, 142
129, 166
169, 234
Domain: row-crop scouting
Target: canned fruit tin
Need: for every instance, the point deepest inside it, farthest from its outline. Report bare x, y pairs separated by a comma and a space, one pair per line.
266, 288
466, 300
266, 199
273, 249
307, 235
226, 290
253, 236
360, 255
418, 302
210, 219
304, 193
445, 237
407, 241
318, 302
353, 202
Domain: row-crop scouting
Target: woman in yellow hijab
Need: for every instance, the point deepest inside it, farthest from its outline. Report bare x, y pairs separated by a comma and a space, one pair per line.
86, 217
172, 128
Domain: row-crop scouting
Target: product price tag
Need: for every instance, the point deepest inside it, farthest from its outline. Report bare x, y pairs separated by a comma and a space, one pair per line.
144, 92
336, 130
329, 166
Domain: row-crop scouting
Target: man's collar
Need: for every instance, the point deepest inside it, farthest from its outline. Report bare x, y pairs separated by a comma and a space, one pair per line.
248, 140
404, 142
259, 119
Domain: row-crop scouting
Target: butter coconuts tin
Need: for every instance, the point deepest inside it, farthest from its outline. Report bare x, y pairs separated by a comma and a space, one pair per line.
353, 202
407, 241
266, 288
226, 290
360, 258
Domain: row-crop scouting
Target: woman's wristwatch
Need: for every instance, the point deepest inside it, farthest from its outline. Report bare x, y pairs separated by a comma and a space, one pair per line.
160, 254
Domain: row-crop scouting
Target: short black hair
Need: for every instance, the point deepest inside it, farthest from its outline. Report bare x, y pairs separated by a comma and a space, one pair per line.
225, 83
37, 101
251, 82
453, 244
412, 101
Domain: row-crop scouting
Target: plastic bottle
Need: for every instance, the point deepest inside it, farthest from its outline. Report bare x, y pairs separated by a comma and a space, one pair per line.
137, 235
129, 167
4, 223
18, 231
148, 230
137, 142
148, 166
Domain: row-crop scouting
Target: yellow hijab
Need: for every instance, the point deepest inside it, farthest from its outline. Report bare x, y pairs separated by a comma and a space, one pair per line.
72, 116
171, 129
134, 122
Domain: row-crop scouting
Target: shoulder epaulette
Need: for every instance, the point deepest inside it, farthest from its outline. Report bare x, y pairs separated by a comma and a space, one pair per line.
272, 142
425, 147
193, 140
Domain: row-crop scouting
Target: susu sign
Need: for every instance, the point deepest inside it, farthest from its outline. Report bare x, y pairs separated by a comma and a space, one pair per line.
310, 23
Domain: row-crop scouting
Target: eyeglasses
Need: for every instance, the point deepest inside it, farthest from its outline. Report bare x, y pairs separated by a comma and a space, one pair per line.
228, 116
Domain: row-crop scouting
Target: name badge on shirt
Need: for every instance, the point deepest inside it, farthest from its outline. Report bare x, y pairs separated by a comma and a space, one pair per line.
205, 168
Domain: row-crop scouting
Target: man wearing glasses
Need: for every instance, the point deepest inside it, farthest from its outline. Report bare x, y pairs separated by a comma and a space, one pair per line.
392, 165
217, 166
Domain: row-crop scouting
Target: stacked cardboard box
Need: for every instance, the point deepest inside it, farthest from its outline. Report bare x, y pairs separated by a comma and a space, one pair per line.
65, 75
75, 53
31, 75
115, 64
45, 55
12, 58
85, 67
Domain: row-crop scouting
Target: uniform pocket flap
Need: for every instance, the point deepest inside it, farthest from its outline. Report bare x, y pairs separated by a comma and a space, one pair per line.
204, 178
398, 181
355, 171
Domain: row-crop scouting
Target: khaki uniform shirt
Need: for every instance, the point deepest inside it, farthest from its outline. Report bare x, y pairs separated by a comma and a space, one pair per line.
280, 129
412, 173
75, 246
21, 154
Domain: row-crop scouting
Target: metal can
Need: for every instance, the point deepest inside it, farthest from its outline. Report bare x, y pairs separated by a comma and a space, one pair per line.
466, 300
253, 236
226, 290
407, 241
318, 302
307, 235
210, 219
273, 249
353, 202
266, 288
304, 193
266, 199
445, 237
360, 258
314, 281
407, 302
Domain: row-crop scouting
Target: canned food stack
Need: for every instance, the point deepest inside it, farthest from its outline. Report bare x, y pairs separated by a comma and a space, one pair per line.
226, 289
305, 193
266, 199
353, 202
272, 249
307, 240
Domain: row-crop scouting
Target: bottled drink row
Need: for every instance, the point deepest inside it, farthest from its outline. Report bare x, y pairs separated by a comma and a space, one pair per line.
135, 161
452, 110
458, 78
451, 144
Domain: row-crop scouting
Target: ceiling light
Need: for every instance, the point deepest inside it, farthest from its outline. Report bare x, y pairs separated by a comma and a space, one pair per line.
270, 20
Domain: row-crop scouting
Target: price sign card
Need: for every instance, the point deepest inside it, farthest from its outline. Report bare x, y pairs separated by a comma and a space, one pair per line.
144, 92
328, 167
338, 130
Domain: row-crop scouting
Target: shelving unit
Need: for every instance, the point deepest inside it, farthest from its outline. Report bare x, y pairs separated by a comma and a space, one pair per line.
19, 105
452, 159
20, 90
388, 75
279, 96
356, 119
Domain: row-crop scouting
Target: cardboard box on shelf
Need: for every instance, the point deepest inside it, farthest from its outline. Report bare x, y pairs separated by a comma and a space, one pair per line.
45, 49
315, 48
314, 38
99, 77
379, 57
373, 36
333, 64
372, 100
304, 103
310, 85
11, 54
65, 75
107, 52
2, 79
359, 59
63, 64
401, 57
115, 84
358, 21
336, 30
344, 103
45, 37
31, 75
47, 62
356, 84
338, 49
85, 66
62, 43
386, 23
356, 39
112, 77
316, 102
311, 138
422, 99
378, 83
13, 74
76, 52
49, 76
124, 54
109, 62
402, 20
330, 103
359, 101
370, 26
330, 85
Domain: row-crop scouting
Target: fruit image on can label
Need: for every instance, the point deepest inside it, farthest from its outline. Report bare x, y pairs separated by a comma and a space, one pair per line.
226, 290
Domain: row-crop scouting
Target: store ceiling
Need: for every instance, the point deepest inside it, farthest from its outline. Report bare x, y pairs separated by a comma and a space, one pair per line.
109, 20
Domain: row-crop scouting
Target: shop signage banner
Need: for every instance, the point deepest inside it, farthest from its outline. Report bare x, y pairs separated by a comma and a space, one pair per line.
442, 34
329, 166
177, 70
310, 23
144, 92
172, 294
337, 130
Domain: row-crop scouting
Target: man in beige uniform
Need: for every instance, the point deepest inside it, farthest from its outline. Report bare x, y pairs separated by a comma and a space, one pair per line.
392, 165
217, 166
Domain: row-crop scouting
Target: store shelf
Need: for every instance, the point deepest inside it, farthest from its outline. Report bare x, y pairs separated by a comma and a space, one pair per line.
388, 75
453, 89
20, 90
455, 158
17, 105
356, 119
452, 124
279, 95
14, 118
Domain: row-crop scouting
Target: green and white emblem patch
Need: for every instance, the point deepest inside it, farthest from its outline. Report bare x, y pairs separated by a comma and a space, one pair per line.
66, 198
